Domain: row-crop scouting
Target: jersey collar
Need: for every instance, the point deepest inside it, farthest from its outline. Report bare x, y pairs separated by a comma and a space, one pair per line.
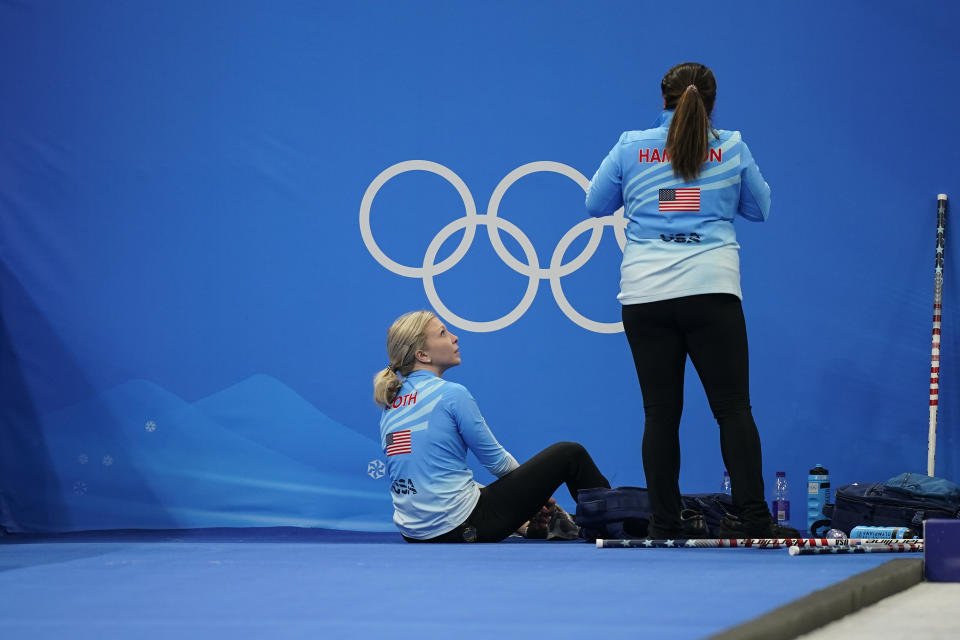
663, 120
422, 373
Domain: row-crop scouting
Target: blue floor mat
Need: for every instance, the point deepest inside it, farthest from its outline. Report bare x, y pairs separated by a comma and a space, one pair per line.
291, 583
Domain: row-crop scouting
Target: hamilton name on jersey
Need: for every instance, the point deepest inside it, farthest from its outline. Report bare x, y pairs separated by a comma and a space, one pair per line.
660, 155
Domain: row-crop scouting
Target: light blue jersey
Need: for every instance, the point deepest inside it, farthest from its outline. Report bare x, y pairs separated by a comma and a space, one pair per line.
680, 235
425, 435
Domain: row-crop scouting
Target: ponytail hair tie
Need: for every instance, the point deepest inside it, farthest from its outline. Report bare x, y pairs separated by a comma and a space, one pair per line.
691, 86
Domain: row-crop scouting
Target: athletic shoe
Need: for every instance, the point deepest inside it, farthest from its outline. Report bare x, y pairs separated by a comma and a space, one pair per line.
562, 526
692, 525
732, 527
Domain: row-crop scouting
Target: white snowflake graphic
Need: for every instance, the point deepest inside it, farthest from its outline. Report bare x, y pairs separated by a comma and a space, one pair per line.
80, 487
82, 458
151, 426
376, 469
107, 461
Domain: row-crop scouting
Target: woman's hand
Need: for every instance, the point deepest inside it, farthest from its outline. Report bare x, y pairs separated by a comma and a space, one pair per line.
537, 526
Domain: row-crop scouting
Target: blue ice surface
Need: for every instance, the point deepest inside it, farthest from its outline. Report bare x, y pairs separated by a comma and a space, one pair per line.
289, 583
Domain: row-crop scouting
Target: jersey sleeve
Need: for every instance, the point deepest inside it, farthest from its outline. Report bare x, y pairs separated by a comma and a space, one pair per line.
754, 190
475, 432
605, 194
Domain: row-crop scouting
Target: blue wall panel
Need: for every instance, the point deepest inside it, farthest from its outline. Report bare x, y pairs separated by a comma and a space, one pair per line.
191, 316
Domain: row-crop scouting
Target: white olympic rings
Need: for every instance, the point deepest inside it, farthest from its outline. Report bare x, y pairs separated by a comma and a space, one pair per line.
469, 223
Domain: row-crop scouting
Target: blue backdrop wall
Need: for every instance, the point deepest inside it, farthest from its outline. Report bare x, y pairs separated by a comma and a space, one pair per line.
211, 212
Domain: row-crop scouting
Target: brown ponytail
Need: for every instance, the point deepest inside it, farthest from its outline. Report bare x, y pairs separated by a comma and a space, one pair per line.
691, 90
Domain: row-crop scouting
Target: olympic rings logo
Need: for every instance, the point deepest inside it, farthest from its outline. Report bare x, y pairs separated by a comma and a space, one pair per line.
469, 223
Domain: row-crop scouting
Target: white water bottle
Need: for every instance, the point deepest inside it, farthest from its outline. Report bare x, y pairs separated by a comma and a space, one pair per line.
725, 483
781, 505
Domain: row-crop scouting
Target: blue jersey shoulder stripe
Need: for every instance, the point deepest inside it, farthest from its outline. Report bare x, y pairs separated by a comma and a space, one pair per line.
393, 424
425, 391
630, 190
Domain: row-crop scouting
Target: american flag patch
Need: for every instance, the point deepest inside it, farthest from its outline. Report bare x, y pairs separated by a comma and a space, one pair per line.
398, 442
687, 199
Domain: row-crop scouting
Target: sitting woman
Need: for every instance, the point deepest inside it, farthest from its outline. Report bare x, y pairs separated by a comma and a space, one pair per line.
427, 427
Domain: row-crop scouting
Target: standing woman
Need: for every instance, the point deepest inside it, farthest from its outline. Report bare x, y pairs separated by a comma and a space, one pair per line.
428, 425
682, 183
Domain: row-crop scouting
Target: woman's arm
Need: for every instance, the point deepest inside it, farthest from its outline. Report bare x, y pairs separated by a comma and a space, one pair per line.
604, 196
754, 190
475, 432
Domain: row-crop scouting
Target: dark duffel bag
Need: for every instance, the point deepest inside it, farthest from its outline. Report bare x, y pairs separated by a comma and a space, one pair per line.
905, 500
624, 512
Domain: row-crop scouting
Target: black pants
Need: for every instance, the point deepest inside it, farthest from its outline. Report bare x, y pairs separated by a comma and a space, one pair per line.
711, 330
510, 501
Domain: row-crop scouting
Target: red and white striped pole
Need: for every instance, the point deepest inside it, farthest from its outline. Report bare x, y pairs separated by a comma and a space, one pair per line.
935, 348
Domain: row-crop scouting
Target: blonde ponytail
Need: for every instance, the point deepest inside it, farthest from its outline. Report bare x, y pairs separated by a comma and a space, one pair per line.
386, 384
406, 336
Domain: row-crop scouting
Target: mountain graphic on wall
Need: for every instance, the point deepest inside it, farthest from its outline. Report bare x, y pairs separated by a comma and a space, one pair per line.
255, 454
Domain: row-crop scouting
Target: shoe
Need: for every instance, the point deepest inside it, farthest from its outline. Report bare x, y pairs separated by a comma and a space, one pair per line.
562, 526
733, 527
656, 532
692, 525
730, 527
